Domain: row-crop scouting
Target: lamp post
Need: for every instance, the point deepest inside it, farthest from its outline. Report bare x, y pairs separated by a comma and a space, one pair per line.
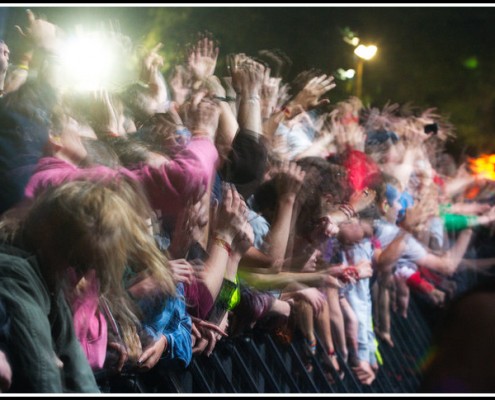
363, 53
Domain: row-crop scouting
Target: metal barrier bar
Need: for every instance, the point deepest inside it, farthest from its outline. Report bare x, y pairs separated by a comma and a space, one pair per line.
256, 363
277, 352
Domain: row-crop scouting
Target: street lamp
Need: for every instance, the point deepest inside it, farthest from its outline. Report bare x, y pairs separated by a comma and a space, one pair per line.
363, 53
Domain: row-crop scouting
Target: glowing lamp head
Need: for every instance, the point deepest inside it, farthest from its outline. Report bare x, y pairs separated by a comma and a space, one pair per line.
365, 52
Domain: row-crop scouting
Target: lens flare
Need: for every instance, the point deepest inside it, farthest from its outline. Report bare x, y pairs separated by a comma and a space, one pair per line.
88, 62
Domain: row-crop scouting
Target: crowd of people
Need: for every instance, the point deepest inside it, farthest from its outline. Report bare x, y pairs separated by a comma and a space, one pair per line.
140, 227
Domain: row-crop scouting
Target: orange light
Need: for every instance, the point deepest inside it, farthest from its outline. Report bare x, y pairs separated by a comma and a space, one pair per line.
483, 167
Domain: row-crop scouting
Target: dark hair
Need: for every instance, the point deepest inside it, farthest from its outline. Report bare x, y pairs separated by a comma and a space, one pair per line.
322, 179
100, 153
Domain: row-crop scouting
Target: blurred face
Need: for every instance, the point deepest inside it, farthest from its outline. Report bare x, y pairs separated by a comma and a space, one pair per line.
391, 210
4, 57
71, 141
351, 232
324, 230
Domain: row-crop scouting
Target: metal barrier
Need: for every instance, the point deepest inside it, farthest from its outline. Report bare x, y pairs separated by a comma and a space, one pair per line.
258, 363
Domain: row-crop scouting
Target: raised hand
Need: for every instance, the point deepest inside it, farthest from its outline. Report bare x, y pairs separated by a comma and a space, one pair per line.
231, 215
251, 75
202, 59
40, 33
309, 97
289, 178
202, 116
269, 94
234, 62
152, 61
108, 117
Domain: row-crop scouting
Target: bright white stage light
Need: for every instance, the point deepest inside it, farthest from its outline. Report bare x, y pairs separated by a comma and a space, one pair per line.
87, 61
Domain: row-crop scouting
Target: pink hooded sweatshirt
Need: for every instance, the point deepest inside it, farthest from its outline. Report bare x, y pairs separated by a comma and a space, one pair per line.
168, 187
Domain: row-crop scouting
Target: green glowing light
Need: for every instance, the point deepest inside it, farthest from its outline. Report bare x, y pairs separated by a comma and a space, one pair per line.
471, 63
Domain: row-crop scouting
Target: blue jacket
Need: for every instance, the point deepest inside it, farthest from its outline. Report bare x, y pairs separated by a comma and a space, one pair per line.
168, 316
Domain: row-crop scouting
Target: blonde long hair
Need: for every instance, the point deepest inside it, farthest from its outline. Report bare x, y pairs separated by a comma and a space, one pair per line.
101, 226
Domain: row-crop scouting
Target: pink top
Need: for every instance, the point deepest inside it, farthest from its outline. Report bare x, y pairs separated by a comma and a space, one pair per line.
168, 186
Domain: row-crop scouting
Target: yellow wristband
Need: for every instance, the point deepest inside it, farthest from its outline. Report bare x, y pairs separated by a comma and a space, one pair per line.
223, 243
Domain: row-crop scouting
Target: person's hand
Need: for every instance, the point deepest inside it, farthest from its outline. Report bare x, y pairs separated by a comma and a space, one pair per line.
314, 297
364, 269
205, 336
202, 116
251, 75
109, 118
269, 94
364, 372
5, 373
416, 217
231, 215
331, 281
202, 59
40, 33
244, 240
151, 75
283, 95
488, 217
152, 61
474, 208
309, 97
122, 355
152, 354
182, 271
234, 61
289, 179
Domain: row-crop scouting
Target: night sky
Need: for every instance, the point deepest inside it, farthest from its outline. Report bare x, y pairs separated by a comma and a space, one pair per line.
439, 57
